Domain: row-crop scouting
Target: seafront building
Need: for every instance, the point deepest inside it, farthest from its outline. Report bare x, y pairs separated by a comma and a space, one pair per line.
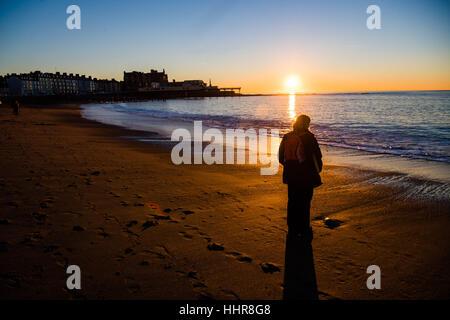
43, 84
144, 83
141, 81
158, 81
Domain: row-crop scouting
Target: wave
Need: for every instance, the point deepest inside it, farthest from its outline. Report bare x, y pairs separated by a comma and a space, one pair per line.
417, 143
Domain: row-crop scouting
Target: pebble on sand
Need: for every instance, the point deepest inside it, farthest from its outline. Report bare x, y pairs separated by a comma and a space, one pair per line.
332, 223
269, 267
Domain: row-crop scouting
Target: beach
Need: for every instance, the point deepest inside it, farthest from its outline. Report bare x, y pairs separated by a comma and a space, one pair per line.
76, 192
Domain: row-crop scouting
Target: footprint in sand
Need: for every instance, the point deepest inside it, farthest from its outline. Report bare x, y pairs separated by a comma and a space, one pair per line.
12, 204
132, 285
148, 224
31, 238
160, 251
154, 253
205, 296
61, 260
131, 223
101, 232
245, 259
231, 293
199, 285
157, 213
185, 235
144, 263
215, 247
196, 281
159, 216
239, 256
46, 204
327, 296
11, 280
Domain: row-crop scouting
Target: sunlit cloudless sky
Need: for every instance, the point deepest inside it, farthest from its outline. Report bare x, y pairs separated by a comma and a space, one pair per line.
252, 44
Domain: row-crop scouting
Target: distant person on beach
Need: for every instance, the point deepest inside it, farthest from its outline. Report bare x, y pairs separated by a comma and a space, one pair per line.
15, 107
301, 158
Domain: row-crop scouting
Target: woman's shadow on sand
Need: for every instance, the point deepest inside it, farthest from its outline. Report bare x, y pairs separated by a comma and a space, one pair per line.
299, 273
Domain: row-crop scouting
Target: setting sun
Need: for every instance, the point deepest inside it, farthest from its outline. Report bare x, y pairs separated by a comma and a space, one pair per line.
292, 83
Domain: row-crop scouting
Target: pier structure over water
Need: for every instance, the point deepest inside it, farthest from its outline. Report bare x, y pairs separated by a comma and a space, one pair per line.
231, 90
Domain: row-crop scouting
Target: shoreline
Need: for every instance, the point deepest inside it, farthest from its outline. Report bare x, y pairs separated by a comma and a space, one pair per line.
147, 226
416, 168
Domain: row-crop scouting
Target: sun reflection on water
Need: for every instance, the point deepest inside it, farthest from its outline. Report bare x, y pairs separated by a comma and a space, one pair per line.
291, 109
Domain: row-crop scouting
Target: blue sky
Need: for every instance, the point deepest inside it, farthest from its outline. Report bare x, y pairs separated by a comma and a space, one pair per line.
253, 44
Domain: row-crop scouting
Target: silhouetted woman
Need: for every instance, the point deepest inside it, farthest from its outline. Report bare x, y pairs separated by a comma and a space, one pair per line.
300, 155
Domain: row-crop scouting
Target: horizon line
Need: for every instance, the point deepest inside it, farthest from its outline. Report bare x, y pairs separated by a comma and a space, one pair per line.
260, 93
337, 92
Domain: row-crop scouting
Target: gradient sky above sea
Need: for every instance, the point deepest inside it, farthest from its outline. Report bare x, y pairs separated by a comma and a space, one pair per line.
252, 44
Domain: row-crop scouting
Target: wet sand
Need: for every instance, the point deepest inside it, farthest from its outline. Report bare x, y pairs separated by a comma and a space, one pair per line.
72, 191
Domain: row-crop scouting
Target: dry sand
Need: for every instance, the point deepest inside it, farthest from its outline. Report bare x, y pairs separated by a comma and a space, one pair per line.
73, 191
